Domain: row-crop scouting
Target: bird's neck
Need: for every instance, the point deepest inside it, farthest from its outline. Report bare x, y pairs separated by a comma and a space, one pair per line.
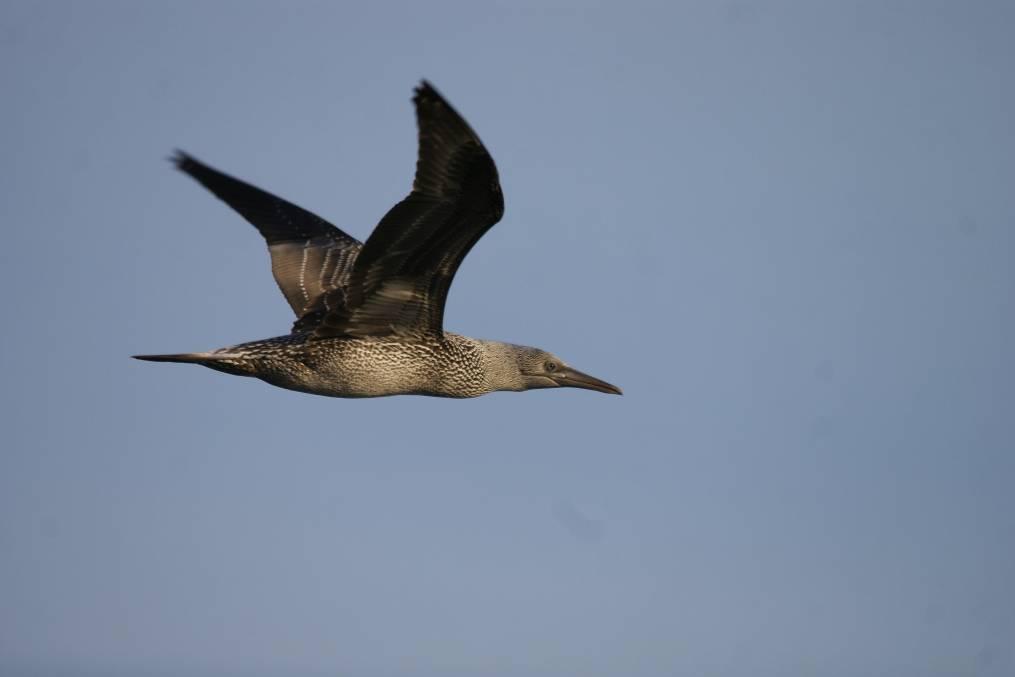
498, 362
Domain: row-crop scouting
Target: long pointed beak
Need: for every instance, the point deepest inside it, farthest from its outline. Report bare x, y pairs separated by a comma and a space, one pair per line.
573, 378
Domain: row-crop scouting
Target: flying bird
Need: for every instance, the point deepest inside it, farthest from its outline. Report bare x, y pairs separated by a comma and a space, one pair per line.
370, 316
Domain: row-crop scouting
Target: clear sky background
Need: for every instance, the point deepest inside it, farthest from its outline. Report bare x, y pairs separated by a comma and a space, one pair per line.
787, 230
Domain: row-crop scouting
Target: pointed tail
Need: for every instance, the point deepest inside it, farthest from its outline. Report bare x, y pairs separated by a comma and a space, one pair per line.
224, 362
191, 358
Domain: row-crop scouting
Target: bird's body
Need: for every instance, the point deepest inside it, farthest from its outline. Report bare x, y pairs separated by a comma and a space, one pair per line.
370, 315
446, 366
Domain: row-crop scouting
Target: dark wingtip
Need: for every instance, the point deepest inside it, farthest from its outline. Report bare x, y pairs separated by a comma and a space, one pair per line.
183, 161
426, 92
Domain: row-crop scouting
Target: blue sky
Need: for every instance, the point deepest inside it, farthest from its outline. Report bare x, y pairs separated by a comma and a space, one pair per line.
785, 229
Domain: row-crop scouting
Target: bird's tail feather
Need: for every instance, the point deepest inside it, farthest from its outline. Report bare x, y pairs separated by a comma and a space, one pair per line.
190, 358
225, 362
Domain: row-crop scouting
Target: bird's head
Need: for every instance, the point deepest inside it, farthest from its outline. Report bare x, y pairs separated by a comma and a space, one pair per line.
541, 369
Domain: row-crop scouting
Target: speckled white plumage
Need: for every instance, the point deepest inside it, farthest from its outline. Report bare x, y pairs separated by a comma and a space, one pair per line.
447, 366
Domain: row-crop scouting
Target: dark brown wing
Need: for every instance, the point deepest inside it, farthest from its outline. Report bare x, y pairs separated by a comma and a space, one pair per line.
400, 279
309, 256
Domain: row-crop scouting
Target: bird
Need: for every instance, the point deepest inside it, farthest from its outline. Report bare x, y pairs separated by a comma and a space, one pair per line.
370, 315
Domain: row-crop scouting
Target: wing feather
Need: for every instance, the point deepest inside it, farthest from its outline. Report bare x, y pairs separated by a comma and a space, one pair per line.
400, 280
309, 257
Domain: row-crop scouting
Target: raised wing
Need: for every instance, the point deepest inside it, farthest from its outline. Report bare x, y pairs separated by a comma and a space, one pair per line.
309, 256
400, 280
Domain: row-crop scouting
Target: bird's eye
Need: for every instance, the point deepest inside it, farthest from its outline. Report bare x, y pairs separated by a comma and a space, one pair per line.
551, 366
